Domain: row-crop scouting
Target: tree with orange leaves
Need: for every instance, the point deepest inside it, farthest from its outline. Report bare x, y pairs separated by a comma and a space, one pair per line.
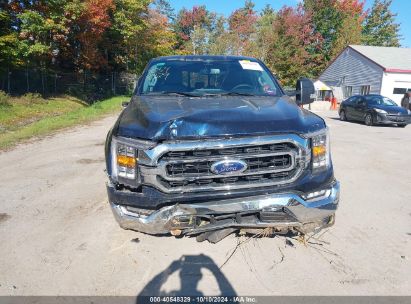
92, 24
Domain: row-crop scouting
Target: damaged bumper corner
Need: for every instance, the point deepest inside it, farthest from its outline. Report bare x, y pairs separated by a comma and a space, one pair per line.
303, 212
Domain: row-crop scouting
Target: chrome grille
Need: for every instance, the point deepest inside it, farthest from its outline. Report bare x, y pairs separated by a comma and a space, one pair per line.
237, 181
254, 165
267, 164
185, 165
232, 151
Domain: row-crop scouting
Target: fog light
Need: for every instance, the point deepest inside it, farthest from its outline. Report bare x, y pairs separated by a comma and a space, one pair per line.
315, 195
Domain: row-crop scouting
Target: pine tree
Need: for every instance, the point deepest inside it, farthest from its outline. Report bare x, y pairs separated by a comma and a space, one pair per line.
164, 7
379, 27
261, 47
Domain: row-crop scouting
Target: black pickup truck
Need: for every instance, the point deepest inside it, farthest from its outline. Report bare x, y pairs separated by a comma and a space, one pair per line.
209, 145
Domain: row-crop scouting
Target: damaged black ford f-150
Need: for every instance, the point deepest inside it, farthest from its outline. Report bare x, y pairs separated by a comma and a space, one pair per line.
212, 144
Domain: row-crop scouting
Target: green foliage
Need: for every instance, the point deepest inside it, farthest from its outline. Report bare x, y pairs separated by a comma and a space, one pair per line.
264, 34
103, 36
126, 32
95, 35
164, 8
379, 27
9, 42
352, 16
21, 122
293, 44
32, 98
194, 29
338, 22
216, 43
326, 20
4, 100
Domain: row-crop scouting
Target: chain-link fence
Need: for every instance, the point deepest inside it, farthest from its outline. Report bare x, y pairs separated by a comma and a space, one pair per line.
87, 86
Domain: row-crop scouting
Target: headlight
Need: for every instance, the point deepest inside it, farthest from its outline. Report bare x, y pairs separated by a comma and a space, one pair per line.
320, 147
380, 111
409, 112
125, 159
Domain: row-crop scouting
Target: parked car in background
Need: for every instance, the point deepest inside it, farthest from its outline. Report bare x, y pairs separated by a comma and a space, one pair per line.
373, 110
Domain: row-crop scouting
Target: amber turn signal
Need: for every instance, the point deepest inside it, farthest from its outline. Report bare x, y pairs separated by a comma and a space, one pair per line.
319, 150
126, 161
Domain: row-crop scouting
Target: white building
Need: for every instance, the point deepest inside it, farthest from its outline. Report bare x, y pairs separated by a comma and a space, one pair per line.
361, 69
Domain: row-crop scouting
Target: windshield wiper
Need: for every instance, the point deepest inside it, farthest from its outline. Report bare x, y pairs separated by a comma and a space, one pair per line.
235, 94
174, 93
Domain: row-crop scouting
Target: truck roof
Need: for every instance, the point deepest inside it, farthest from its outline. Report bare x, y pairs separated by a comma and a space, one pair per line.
203, 57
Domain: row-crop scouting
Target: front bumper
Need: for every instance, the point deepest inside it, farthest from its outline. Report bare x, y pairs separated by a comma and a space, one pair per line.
391, 119
281, 211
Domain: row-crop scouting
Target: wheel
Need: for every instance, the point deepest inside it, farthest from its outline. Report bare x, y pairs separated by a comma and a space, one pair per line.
368, 120
343, 117
401, 125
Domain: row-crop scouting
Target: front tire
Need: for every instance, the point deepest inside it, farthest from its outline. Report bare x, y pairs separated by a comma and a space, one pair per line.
401, 125
343, 116
368, 120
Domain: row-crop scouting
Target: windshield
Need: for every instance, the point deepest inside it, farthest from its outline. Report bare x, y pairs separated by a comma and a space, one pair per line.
209, 77
380, 101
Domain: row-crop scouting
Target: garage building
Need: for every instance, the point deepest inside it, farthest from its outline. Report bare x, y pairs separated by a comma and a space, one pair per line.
361, 69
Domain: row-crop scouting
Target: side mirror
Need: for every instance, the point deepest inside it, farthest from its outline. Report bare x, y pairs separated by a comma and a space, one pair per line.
125, 104
289, 92
305, 91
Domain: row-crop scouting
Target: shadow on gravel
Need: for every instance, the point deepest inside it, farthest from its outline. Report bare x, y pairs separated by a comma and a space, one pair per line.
4, 217
190, 272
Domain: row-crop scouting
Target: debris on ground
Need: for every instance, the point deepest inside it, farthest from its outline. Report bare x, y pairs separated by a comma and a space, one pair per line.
135, 240
215, 236
288, 242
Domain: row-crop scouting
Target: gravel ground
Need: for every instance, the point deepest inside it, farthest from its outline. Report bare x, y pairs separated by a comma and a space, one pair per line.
58, 236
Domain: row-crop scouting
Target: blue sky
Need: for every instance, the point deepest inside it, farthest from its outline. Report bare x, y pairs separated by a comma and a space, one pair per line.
225, 7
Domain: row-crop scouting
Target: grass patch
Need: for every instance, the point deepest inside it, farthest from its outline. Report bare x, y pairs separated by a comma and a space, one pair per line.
29, 116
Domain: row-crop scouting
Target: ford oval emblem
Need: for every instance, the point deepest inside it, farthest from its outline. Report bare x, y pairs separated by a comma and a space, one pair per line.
228, 167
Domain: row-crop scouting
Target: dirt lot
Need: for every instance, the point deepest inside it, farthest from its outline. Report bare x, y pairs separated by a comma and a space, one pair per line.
58, 236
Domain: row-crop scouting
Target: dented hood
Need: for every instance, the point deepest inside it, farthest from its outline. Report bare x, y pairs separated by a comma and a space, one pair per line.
171, 117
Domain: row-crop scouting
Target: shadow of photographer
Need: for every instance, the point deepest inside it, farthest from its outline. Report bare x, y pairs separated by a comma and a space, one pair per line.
190, 272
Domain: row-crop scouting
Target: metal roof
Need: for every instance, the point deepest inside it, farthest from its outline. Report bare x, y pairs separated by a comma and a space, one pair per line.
392, 59
321, 86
